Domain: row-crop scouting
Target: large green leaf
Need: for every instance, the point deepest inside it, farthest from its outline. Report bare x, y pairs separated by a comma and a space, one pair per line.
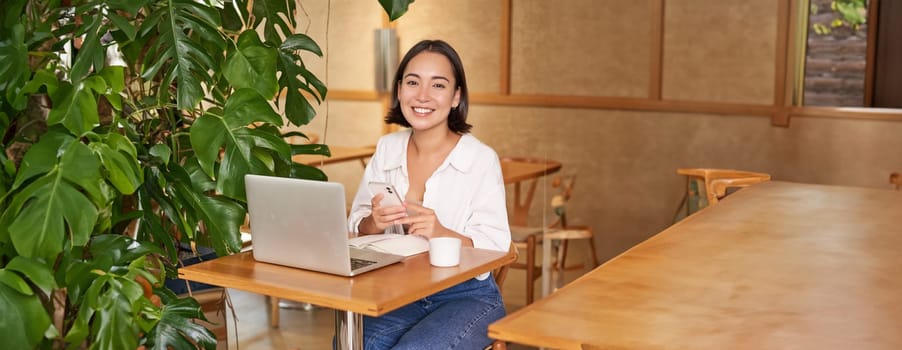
120, 161
12, 12
114, 76
114, 327
236, 163
252, 65
298, 110
157, 193
175, 325
40, 212
211, 133
301, 42
14, 55
107, 308
75, 107
24, 319
42, 156
122, 23
7, 171
112, 304
41, 78
222, 217
179, 56
395, 8
279, 18
120, 249
92, 53
35, 271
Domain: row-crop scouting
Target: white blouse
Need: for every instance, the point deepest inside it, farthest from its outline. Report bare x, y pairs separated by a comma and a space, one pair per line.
466, 191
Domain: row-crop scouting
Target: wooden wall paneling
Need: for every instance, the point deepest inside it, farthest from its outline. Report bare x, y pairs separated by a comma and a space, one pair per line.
873, 25
471, 26
346, 39
655, 69
720, 51
622, 103
847, 113
504, 84
504, 90
781, 115
583, 48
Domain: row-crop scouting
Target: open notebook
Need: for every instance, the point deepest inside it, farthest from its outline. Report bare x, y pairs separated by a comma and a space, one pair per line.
404, 245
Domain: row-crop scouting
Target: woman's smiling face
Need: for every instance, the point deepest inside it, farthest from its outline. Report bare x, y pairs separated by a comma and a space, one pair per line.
427, 91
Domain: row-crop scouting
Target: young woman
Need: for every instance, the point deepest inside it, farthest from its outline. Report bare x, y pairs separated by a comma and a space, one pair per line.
451, 185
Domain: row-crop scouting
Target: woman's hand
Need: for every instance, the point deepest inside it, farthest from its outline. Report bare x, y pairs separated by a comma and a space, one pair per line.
422, 221
383, 217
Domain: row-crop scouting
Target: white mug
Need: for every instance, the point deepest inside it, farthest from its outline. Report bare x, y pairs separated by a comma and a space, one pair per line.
444, 251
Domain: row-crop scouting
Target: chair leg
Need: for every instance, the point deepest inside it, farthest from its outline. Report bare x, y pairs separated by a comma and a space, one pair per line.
592, 249
273, 312
530, 268
562, 257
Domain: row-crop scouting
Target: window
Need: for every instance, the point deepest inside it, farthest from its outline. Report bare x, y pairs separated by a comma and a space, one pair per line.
850, 60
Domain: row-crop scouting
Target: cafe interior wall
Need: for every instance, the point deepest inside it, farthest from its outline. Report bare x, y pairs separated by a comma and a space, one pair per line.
712, 52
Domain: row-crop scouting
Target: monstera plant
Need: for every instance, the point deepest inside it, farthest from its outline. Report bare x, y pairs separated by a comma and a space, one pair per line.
128, 127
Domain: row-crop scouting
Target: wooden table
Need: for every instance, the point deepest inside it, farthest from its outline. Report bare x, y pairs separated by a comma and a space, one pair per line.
339, 154
777, 265
516, 171
373, 293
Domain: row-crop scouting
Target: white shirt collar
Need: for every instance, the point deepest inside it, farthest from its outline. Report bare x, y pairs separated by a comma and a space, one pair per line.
460, 158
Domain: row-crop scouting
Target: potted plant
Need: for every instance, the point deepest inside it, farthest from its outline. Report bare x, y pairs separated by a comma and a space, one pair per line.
128, 126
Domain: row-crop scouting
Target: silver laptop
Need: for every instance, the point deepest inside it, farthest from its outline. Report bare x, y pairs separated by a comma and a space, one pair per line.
302, 223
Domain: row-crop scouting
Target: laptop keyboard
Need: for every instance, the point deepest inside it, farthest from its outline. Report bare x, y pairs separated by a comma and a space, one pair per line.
358, 263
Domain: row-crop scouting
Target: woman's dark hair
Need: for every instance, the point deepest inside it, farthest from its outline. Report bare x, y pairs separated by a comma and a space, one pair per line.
457, 119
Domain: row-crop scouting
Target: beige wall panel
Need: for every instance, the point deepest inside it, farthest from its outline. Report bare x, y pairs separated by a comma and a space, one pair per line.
473, 27
719, 50
581, 47
349, 50
840, 151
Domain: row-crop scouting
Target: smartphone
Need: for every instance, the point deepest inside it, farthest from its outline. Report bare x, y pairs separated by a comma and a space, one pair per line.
390, 196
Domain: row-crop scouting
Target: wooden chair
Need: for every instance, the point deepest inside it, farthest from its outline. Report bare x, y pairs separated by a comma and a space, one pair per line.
706, 186
500, 274
528, 238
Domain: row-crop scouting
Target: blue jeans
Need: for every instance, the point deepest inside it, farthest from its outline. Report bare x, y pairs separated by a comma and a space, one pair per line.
455, 318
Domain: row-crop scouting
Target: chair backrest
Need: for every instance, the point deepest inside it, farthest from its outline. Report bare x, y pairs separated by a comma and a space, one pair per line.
714, 183
564, 184
717, 181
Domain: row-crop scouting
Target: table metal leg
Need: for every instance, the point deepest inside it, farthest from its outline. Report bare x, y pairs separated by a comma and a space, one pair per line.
348, 330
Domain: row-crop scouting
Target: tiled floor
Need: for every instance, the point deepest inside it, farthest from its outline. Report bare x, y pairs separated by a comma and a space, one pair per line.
313, 328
